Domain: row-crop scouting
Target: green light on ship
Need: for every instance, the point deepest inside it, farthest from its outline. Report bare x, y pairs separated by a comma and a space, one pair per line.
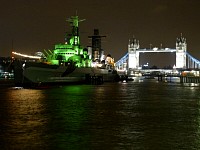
71, 51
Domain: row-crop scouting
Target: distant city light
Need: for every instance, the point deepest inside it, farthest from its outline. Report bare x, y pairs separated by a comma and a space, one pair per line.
24, 55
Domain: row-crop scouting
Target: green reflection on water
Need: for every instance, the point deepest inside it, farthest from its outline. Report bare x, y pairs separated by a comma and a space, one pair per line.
126, 116
68, 109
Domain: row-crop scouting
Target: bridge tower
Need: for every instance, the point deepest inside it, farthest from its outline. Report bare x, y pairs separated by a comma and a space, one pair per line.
133, 61
181, 49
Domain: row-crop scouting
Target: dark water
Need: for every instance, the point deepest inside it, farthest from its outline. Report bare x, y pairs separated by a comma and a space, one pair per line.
113, 116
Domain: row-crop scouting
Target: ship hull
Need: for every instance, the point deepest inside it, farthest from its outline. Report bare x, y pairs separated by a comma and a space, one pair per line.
38, 74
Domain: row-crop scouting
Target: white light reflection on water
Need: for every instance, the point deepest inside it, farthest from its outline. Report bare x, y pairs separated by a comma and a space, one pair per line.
24, 122
142, 115
147, 116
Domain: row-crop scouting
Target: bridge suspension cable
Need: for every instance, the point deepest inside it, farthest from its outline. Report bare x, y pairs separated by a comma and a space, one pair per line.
192, 62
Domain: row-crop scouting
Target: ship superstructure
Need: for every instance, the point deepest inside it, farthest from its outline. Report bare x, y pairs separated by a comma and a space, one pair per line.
71, 50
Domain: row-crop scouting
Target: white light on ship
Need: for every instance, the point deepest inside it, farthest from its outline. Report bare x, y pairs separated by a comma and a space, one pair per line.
155, 48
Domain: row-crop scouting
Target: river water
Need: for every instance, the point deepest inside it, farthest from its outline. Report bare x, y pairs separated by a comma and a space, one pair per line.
114, 116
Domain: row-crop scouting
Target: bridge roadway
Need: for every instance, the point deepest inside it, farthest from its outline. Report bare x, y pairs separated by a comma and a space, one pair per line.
148, 72
153, 72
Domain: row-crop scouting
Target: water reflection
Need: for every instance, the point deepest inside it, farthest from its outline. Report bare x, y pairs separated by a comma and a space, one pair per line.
22, 118
143, 115
67, 109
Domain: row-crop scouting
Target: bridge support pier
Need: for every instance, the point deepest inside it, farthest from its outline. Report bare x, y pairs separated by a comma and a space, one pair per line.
160, 77
184, 79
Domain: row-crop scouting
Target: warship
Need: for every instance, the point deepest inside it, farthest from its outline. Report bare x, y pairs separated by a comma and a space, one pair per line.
67, 63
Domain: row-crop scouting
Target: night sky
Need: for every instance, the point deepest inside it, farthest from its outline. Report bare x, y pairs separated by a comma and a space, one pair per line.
35, 25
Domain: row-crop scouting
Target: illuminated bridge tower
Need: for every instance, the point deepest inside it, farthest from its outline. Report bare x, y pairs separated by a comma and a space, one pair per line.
133, 61
181, 49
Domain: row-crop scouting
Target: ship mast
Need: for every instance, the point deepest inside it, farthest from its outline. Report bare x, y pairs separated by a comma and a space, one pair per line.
75, 39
